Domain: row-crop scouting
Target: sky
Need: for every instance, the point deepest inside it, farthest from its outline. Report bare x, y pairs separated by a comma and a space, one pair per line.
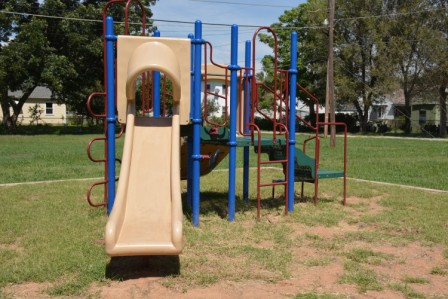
240, 12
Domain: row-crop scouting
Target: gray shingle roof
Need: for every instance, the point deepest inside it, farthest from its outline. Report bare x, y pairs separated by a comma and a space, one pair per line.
40, 92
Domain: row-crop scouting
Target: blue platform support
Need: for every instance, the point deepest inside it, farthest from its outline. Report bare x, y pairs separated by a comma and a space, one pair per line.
197, 122
156, 86
190, 138
110, 117
292, 119
233, 67
246, 118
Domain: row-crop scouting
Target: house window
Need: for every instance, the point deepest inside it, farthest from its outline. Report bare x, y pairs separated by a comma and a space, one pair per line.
208, 87
380, 112
422, 117
48, 108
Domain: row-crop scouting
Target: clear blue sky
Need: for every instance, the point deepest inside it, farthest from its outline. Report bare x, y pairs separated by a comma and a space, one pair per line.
240, 12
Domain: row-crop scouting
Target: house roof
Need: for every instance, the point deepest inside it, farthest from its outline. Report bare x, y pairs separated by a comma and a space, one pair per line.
40, 92
397, 97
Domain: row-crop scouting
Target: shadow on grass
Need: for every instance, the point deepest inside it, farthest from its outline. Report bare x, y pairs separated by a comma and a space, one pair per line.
133, 267
216, 203
310, 199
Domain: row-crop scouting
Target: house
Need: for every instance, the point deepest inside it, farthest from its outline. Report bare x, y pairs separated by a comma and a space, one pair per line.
51, 112
390, 110
382, 110
216, 89
425, 113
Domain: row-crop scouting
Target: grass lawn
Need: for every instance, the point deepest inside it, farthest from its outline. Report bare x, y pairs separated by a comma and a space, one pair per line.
387, 241
402, 161
49, 157
50, 236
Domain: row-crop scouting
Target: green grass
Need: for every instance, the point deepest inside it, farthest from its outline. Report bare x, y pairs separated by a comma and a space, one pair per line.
50, 234
365, 279
318, 262
414, 215
367, 256
316, 296
407, 291
415, 279
402, 161
442, 271
49, 157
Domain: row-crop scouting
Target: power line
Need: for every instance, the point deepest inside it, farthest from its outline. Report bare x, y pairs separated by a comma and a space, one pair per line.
217, 24
243, 3
389, 15
154, 20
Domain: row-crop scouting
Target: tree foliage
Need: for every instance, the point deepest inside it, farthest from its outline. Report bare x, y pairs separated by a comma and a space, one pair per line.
380, 46
63, 52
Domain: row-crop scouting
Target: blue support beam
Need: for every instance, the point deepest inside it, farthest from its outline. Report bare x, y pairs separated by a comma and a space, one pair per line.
156, 87
246, 110
233, 67
190, 138
292, 119
197, 122
110, 38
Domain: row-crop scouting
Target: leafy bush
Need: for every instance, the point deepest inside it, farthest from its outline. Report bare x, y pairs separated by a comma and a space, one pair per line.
350, 120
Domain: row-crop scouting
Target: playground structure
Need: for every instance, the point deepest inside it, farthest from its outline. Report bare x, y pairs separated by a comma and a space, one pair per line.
146, 212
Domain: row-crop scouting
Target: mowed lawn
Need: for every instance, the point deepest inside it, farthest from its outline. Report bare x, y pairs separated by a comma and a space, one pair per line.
387, 241
421, 163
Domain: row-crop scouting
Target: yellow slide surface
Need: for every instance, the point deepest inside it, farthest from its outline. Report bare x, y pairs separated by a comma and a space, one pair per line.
147, 216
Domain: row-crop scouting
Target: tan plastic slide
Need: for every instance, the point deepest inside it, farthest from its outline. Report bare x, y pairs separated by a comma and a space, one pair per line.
147, 215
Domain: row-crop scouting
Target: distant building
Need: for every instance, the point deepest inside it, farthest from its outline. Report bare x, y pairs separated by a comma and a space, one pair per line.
390, 110
425, 113
53, 113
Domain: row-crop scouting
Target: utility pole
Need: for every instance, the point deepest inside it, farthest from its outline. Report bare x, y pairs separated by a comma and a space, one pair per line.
330, 74
327, 104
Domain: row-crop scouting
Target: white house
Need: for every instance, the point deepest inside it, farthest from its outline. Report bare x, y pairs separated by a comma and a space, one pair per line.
216, 88
382, 110
52, 112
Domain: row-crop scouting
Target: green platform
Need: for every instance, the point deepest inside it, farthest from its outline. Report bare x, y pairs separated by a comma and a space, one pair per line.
304, 165
221, 136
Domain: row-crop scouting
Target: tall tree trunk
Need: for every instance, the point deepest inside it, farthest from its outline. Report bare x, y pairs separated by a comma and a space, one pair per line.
407, 108
363, 116
442, 103
10, 121
7, 120
4, 102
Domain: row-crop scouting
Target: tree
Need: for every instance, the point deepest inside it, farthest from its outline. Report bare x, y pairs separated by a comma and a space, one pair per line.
23, 64
62, 54
407, 38
306, 19
35, 113
439, 58
361, 68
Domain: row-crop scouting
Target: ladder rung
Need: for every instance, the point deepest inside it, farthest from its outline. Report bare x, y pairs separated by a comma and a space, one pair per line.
273, 184
273, 161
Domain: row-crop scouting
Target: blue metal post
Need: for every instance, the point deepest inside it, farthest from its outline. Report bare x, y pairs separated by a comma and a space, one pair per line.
110, 117
246, 111
292, 120
190, 138
197, 121
156, 86
233, 67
